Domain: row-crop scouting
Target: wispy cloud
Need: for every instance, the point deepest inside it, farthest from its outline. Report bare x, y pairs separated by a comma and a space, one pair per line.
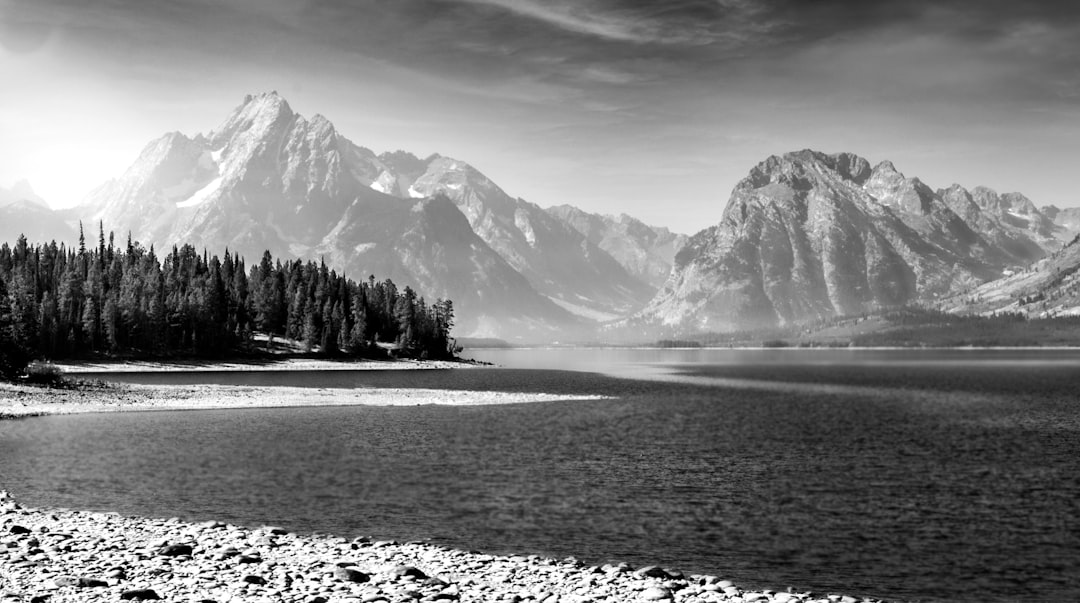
579, 19
676, 22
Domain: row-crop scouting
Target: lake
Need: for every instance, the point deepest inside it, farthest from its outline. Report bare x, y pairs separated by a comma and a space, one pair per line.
916, 475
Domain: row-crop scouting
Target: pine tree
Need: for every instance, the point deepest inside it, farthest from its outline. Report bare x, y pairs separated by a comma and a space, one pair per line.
61, 302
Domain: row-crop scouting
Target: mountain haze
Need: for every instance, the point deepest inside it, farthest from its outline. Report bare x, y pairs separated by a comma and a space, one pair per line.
646, 252
23, 212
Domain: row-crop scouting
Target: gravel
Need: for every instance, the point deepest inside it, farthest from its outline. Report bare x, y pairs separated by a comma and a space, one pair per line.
64, 555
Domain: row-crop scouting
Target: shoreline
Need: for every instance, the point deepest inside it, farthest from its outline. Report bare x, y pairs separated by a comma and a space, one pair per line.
20, 401
259, 364
75, 555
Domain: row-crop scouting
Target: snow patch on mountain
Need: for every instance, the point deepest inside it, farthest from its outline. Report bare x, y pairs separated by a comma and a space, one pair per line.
585, 311
200, 196
180, 190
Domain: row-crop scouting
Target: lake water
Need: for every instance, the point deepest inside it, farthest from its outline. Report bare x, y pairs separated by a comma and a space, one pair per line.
938, 475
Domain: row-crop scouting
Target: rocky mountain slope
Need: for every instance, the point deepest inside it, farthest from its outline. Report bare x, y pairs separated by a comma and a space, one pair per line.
1047, 288
809, 235
646, 252
556, 259
268, 178
1066, 221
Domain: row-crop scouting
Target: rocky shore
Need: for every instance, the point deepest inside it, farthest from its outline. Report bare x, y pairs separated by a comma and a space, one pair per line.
61, 555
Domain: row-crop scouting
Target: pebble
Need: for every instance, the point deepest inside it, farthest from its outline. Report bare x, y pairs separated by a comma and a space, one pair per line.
349, 574
140, 594
175, 550
656, 593
62, 555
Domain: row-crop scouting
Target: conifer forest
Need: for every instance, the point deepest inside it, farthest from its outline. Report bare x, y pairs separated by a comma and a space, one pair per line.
126, 301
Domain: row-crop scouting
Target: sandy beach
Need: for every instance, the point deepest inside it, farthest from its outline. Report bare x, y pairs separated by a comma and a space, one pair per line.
27, 401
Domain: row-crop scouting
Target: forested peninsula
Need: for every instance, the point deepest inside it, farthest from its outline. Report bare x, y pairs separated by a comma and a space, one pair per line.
126, 302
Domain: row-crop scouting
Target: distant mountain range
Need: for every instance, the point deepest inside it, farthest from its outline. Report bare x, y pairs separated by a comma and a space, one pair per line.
804, 236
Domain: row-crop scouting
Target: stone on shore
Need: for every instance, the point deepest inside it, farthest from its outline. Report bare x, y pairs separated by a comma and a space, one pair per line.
656, 593
76, 556
653, 571
349, 574
140, 594
175, 550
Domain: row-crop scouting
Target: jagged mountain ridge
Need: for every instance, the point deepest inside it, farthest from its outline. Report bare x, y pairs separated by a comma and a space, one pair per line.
646, 252
269, 179
808, 235
556, 259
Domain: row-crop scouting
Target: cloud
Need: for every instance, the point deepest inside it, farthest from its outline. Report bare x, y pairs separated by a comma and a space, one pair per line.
575, 19
675, 22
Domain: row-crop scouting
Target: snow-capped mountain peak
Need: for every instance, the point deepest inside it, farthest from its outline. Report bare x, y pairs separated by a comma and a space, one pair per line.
257, 114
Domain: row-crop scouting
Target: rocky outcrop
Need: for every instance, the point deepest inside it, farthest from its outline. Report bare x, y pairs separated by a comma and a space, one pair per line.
808, 235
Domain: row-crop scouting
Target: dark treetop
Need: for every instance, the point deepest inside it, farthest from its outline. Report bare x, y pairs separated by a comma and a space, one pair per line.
62, 303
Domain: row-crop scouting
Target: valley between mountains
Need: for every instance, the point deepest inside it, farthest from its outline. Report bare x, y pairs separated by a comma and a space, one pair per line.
805, 236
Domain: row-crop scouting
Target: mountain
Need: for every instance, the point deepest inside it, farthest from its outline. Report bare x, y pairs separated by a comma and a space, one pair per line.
23, 212
21, 191
1066, 221
1047, 288
808, 235
556, 259
646, 252
267, 178
429, 244
36, 221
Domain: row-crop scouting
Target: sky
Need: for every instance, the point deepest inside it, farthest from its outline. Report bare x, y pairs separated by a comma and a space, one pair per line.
655, 109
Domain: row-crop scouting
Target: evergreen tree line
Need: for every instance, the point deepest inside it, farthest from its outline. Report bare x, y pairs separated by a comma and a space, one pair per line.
58, 302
